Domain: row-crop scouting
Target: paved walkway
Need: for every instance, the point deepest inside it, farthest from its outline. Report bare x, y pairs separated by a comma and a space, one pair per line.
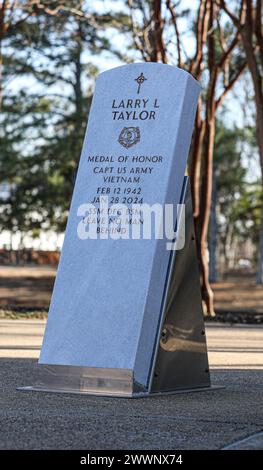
205, 420
229, 346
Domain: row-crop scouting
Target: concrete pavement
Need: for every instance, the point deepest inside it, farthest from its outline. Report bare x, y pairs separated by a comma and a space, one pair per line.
205, 420
229, 346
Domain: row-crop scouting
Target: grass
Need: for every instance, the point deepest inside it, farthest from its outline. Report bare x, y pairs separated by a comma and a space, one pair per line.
11, 314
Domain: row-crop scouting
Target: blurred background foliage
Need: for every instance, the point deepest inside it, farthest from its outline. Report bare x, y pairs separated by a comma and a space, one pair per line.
50, 54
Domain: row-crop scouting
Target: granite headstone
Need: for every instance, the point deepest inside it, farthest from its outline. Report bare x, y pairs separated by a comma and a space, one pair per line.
106, 303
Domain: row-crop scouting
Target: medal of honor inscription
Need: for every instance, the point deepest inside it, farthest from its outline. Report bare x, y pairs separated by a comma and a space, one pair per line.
125, 317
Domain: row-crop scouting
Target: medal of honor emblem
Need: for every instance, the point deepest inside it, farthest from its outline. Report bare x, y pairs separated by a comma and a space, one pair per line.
129, 136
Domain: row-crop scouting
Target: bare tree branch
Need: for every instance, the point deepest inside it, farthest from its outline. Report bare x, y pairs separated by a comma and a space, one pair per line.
231, 84
201, 37
173, 14
136, 34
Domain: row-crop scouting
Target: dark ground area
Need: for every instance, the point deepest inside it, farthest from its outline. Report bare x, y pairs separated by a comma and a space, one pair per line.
205, 420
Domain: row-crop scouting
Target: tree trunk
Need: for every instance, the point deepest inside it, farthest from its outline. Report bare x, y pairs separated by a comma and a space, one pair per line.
195, 164
260, 254
213, 229
158, 53
2, 35
203, 219
247, 39
207, 174
78, 99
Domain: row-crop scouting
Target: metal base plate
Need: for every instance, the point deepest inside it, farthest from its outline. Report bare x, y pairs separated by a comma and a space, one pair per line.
123, 395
